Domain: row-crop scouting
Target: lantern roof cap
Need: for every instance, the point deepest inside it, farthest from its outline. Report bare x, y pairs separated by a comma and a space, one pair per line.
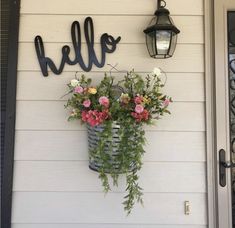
163, 21
159, 26
162, 11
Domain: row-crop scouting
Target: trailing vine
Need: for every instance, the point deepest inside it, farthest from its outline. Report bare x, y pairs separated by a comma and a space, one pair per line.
128, 161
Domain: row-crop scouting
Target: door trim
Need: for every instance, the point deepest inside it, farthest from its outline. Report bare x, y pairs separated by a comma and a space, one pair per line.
224, 196
8, 153
209, 63
211, 121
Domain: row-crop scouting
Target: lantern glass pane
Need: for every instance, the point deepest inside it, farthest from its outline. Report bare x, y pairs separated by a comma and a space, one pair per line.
173, 43
163, 39
151, 43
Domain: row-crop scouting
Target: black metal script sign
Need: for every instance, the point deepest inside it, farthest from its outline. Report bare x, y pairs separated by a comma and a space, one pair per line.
107, 42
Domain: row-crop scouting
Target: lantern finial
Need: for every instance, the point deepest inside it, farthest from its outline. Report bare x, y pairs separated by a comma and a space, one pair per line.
160, 5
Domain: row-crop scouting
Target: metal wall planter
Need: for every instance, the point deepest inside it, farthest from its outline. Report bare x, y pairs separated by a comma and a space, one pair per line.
111, 149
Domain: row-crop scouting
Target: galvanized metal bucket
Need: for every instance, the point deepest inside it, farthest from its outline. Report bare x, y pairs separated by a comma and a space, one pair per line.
95, 162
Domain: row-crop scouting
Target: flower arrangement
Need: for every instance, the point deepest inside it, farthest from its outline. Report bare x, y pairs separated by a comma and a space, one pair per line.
129, 103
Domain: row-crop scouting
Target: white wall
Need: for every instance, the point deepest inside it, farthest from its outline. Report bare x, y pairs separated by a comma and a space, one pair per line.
53, 187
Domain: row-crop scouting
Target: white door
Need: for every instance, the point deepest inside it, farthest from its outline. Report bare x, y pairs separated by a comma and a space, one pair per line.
225, 109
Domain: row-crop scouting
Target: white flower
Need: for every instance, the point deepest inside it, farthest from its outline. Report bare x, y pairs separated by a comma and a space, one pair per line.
74, 82
157, 71
73, 113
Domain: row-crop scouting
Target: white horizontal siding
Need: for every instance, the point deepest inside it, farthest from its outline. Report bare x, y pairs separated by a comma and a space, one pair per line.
129, 27
53, 187
43, 176
72, 146
187, 58
54, 87
74, 207
110, 7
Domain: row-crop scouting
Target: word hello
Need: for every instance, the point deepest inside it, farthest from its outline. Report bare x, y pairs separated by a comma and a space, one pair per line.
108, 45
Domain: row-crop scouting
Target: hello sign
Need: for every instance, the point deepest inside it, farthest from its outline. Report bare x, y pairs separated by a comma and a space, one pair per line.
107, 42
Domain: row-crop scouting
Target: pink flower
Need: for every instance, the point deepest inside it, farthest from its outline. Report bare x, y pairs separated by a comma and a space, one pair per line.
86, 103
138, 99
139, 108
84, 116
78, 89
94, 117
104, 101
166, 102
144, 116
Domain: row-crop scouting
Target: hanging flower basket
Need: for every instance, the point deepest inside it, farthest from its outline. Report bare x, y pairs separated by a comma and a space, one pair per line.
115, 114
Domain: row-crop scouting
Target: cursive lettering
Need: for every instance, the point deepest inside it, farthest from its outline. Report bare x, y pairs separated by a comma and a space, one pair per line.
108, 45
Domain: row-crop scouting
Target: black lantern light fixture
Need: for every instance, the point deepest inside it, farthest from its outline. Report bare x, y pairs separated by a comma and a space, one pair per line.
161, 35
